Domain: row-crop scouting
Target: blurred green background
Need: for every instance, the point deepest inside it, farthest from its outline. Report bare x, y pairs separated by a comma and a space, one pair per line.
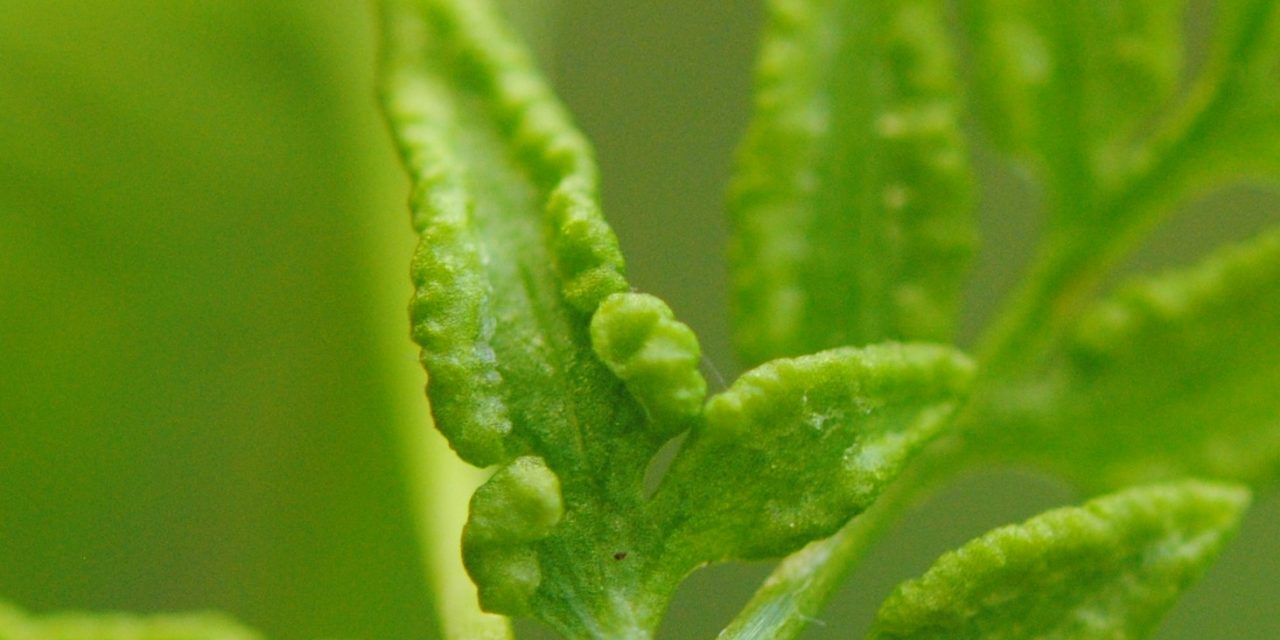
203, 351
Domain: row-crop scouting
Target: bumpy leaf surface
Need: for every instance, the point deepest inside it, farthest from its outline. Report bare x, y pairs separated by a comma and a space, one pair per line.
514, 259
540, 361
1107, 570
514, 253
795, 447
1174, 375
851, 198
17, 625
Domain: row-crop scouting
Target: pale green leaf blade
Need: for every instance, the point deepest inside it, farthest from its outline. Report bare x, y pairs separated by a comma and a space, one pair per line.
795, 448
1107, 570
851, 201
17, 625
1174, 375
1067, 85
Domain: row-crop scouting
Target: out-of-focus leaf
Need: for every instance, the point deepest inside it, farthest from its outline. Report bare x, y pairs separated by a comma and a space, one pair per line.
1067, 85
1235, 130
851, 200
202, 345
1174, 375
1107, 570
16, 625
1086, 91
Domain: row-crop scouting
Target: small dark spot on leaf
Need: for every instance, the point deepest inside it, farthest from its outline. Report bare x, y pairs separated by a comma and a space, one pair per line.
621, 555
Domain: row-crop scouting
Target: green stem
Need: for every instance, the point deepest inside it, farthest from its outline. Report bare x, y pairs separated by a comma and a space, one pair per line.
1074, 264
1068, 271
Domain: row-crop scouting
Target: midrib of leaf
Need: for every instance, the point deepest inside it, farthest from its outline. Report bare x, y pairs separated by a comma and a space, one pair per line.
517, 264
513, 261
844, 207
850, 202
820, 244
1071, 186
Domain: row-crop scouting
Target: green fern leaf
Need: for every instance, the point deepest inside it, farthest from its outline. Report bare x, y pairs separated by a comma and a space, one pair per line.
1174, 375
514, 260
514, 253
851, 200
1105, 571
796, 447
1067, 85
1235, 134
540, 363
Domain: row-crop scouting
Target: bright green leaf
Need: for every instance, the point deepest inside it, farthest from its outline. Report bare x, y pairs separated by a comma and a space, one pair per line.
513, 262
16, 625
518, 506
851, 200
514, 253
1173, 375
852, 226
1105, 571
795, 448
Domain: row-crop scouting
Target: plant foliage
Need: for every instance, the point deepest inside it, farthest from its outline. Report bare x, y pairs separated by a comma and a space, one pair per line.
853, 213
